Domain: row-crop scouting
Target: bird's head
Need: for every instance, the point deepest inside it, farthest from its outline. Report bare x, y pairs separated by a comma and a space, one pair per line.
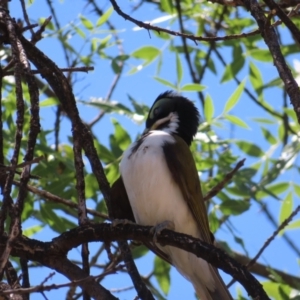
174, 114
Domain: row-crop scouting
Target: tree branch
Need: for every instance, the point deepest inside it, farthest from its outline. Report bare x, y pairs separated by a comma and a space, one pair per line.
269, 35
53, 253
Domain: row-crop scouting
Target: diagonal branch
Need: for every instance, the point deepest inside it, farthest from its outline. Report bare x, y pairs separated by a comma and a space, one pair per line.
269, 35
284, 18
44, 252
216, 189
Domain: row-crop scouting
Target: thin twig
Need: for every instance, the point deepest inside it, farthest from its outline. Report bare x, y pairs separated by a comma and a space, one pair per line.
270, 38
41, 287
284, 18
51, 197
272, 237
269, 240
42, 71
192, 37
24, 164
216, 189
26, 16
38, 34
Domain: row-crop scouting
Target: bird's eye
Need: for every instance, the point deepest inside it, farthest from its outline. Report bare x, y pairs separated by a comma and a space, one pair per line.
156, 111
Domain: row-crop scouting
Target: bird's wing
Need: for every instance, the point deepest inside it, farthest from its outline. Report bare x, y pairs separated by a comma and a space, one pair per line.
121, 209
120, 205
183, 169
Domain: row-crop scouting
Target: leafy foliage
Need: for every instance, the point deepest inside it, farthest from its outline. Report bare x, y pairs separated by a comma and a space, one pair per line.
246, 113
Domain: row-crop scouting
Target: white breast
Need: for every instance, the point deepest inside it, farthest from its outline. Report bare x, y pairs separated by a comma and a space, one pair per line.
155, 198
152, 192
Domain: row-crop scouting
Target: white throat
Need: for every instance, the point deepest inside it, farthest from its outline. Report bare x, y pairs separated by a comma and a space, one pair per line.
173, 123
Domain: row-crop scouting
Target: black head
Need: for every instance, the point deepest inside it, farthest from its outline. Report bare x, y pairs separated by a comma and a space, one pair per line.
175, 114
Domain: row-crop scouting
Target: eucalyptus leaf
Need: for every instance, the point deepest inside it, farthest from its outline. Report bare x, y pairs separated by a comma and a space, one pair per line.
104, 17
250, 148
165, 82
193, 87
236, 121
162, 274
235, 97
286, 207
208, 108
234, 207
179, 69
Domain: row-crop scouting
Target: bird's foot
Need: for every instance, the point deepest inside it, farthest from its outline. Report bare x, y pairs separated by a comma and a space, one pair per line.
157, 229
117, 222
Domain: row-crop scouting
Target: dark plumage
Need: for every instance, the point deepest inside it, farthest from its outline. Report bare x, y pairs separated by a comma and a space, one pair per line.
187, 113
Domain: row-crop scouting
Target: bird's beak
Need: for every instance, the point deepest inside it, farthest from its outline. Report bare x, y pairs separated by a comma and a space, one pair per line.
158, 123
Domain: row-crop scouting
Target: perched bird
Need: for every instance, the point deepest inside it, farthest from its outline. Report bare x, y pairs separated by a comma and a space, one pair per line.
160, 187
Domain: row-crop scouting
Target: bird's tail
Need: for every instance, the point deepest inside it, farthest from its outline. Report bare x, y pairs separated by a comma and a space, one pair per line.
220, 291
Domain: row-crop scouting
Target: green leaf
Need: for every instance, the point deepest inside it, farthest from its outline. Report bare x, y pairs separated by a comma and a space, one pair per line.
109, 107
193, 87
86, 23
162, 35
166, 5
237, 191
178, 69
231, 70
214, 222
297, 189
30, 231
268, 136
293, 225
235, 97
56, 222
104, 17
139, 251
105, 155
91, 187
162, 274
278, 187
264, 121
140, 108
165, 82
290, 49
240, 241
80, 32
263, 55
50, 25
117, 63
273, 289
274, 82
236, 121
103, 43
250, 149
147, 53
291, 113
121, 136
255, 77
234, 207
286, 207
49, 102
208, 108
211, 65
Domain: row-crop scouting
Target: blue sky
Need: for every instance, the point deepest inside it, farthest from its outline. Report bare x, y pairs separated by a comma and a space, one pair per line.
252, 225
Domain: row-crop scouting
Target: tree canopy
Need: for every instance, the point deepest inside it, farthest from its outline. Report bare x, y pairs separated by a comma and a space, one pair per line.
77, 81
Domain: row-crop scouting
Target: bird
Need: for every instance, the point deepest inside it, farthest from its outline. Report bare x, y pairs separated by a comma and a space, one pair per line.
160, 187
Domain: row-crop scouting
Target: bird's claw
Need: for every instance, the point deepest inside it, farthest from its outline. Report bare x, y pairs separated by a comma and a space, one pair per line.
157, 229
